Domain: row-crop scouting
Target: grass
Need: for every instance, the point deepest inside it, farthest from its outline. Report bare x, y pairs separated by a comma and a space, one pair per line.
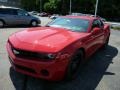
116, 28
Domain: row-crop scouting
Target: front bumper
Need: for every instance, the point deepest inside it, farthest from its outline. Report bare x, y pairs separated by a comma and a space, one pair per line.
50, 70
39, 21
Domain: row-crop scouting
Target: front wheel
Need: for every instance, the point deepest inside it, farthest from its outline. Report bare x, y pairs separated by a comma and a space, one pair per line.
74, 65
34, 23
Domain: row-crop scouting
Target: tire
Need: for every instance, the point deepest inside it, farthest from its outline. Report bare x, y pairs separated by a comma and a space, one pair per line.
34, 23
106, 43
1, 23
74, 65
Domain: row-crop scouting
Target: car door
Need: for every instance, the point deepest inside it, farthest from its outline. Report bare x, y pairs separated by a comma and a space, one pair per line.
99, 36
14, 17
95, 40
24, 17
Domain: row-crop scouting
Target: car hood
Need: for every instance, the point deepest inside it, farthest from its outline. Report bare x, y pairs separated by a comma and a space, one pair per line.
44, 39
35, 17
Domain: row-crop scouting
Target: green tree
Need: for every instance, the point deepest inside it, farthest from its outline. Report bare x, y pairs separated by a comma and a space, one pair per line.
28, 4
109, 9
32, 4
106, 8
52, 6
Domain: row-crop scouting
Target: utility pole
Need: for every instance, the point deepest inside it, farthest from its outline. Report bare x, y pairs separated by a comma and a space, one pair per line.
70, 6
96, 8
40, 6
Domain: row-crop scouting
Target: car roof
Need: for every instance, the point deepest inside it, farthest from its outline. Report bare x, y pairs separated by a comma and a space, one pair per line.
6, 7
88, 17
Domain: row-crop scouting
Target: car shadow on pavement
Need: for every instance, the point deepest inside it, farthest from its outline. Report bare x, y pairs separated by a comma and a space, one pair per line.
88, 79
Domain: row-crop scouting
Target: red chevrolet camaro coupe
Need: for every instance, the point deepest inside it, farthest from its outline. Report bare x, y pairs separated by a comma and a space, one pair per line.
57, 50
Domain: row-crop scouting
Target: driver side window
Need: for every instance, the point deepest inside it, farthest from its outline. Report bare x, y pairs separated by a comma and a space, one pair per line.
22, 13
96, 24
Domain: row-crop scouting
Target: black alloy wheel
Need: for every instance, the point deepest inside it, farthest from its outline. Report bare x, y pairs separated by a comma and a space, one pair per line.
74, 65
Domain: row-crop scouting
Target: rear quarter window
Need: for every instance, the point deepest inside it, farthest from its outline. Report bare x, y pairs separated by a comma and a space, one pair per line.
8, 11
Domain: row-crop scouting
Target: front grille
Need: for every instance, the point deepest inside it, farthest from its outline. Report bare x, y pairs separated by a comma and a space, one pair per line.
25, 54
29, 55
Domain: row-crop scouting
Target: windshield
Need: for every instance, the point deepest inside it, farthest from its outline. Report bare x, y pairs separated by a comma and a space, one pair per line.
73, 24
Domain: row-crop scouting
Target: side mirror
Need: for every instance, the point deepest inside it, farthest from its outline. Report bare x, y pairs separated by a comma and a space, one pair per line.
27, 14
95, 30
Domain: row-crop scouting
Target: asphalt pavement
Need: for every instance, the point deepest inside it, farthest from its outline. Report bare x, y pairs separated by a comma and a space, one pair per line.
102, 72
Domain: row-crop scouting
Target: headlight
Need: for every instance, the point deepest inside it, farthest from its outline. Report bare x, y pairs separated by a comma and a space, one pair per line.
16, 52
47, 56
51, 56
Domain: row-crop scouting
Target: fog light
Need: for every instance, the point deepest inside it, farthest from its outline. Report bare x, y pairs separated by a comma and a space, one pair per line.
44, 72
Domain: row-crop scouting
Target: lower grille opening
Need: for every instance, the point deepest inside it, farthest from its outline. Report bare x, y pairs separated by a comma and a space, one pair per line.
25, 69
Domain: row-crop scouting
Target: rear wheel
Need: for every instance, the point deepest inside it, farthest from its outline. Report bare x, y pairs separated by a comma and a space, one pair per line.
106, 43
74, 65
1, 24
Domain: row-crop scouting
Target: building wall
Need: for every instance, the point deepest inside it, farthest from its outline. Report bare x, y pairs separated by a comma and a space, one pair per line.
14, 3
